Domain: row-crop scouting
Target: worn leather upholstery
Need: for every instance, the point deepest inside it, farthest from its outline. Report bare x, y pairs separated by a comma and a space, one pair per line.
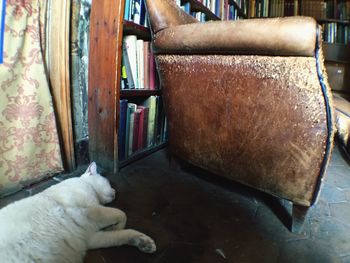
248, 100
293, 36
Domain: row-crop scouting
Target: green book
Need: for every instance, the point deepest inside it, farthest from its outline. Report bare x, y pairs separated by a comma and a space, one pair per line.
150, 103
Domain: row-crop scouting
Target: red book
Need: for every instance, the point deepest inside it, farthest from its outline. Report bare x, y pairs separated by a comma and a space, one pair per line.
145, 128
142, 127
152, 71
137, 114
146, 59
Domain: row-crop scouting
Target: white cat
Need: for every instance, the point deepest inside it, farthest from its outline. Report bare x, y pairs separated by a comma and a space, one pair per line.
62, 222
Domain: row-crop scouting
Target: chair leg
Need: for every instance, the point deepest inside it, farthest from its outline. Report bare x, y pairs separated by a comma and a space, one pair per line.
298, 217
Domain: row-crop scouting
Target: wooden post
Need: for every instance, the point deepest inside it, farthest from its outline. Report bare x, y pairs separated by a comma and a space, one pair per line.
106, 28
58, 69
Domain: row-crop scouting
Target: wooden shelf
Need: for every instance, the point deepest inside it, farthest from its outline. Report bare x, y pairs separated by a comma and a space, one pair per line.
126, 93
199, 7
329, 20
141, 154
336, 52
131, 28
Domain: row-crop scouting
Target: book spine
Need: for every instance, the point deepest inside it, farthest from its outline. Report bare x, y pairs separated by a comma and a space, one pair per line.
141, 128
130, 45
146, 58
145, 128
136, 130
140, 66
131, 134
151, 121
152, 71
124, 82
128, 71
122, 129
129, 128
127, 10
137, 11
142, 13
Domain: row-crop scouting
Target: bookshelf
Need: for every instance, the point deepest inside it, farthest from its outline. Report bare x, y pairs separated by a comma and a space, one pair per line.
107, 29
215, 12
124, 94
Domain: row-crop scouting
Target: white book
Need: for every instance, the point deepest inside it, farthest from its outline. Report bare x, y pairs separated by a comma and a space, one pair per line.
212, 5
129, 128
140, 64
130, 44
136, 11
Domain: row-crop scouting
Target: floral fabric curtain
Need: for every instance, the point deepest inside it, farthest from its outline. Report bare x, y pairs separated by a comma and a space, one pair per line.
29, 146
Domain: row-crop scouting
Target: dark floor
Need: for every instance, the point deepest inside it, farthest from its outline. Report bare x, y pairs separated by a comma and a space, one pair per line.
196, 217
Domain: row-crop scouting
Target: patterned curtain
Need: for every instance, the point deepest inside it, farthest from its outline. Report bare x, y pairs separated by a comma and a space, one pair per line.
29, 146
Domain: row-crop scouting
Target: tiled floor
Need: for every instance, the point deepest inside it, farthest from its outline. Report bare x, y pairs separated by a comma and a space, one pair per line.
195, 217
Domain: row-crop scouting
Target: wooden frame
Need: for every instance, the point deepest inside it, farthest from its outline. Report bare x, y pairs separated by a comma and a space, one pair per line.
106, 31
58, 22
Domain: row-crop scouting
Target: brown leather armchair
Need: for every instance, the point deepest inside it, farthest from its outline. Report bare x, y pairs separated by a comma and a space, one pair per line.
247, 99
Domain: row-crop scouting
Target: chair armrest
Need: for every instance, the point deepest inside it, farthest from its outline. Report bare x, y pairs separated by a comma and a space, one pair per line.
289, 36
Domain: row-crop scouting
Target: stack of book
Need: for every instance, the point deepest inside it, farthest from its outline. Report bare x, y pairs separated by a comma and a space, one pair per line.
135, 11
221, 8
316, 8
343, 10
273, 8
141, 126
138, 65
336, 33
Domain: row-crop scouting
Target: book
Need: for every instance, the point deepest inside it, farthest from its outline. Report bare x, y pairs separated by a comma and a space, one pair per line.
131, 108
122, 81
127, 75
146, 58
159, 120
143, 13
131, 134
122, 129
143, 122
165, 130
187, 7
137, 11
127, 9
139, 61
130, 46
136, 126
152, 71
150, 103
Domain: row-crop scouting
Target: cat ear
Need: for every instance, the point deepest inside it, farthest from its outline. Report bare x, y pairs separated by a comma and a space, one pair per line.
92, 169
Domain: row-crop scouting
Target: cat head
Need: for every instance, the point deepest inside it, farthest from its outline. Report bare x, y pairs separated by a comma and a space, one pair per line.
101, 185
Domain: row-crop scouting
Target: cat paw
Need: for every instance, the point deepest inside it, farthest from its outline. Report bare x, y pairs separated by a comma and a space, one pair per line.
145, 244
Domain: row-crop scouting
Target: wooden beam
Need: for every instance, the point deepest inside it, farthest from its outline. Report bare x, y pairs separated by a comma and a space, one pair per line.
58, 68
106, 28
